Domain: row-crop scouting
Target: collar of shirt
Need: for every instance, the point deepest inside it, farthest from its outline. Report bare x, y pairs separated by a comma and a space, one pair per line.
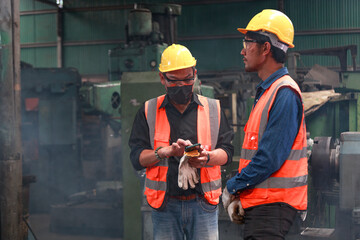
194, 98
263, 85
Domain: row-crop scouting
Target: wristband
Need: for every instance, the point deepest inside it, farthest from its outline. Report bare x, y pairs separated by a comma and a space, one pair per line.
156, 153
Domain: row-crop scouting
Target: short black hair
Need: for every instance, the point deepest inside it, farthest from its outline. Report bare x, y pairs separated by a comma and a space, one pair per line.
278, 54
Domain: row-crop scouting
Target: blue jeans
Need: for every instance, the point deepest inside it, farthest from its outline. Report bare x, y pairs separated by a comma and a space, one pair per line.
191, 220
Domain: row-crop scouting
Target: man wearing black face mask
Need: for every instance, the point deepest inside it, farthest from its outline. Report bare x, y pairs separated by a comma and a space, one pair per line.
162, 129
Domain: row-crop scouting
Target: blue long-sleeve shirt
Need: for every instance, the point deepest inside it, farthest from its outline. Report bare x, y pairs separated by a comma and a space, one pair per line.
275, 146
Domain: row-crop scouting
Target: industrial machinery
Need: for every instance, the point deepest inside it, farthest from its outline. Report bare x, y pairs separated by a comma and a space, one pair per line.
336, 182
332, 119
50, 115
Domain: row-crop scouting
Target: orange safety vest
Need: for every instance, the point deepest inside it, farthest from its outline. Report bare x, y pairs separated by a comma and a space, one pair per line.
289, 183
208, 124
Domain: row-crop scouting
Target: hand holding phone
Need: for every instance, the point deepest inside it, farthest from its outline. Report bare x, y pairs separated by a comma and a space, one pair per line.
193, 150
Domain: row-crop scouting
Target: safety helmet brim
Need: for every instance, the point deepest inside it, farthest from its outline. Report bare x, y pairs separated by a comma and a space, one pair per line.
244, 31
190, 65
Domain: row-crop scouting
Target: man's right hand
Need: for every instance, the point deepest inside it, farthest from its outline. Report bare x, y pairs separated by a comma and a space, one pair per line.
226, 198
176, 148
148, 158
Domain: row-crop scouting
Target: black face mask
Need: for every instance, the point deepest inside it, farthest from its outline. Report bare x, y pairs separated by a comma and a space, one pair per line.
180, 95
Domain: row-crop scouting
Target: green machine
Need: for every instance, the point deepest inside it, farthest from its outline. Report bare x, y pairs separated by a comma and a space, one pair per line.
141, 52
104, 99
334, 163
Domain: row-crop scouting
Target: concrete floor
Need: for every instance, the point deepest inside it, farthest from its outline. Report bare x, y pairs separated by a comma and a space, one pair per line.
40, 225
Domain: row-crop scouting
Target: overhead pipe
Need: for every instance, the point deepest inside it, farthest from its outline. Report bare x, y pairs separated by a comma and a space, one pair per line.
125, 6
190, 38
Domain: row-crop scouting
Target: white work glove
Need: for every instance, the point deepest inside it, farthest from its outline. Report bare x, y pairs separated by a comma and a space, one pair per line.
236, 212
226, 198
187, 174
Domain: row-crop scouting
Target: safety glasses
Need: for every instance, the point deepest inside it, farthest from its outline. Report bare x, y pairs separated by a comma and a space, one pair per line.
186, 81
247, 41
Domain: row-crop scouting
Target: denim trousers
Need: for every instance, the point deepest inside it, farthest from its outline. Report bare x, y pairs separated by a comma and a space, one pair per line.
191, 220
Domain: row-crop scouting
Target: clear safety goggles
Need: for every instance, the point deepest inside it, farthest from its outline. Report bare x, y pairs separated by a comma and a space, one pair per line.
187, 81
247, 41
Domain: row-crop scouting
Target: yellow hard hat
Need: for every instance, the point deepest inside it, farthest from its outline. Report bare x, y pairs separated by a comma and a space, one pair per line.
176, 57
272, 21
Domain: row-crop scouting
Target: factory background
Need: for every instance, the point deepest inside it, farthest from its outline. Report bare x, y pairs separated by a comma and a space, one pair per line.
79, 70
90, 28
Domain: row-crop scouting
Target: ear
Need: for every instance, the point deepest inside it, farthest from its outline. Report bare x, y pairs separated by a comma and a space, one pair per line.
195, 74
162, 79
266, 48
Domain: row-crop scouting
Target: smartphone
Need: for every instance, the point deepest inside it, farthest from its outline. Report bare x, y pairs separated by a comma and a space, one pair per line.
192, 147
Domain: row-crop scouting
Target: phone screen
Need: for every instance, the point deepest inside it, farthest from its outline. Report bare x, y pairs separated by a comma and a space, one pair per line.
192, 147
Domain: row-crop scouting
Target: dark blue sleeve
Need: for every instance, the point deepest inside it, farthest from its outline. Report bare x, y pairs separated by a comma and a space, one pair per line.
275, 145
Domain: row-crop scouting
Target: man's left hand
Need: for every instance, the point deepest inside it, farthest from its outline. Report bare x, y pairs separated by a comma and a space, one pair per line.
200, 161
236, 212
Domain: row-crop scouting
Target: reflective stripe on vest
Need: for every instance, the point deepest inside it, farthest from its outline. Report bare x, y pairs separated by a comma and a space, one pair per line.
289, 183
208, 123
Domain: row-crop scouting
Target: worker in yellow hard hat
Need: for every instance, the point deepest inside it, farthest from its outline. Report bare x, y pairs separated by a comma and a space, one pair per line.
271, 186
181, 139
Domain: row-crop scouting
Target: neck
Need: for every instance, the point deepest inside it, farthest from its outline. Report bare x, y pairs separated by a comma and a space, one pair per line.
266, 72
